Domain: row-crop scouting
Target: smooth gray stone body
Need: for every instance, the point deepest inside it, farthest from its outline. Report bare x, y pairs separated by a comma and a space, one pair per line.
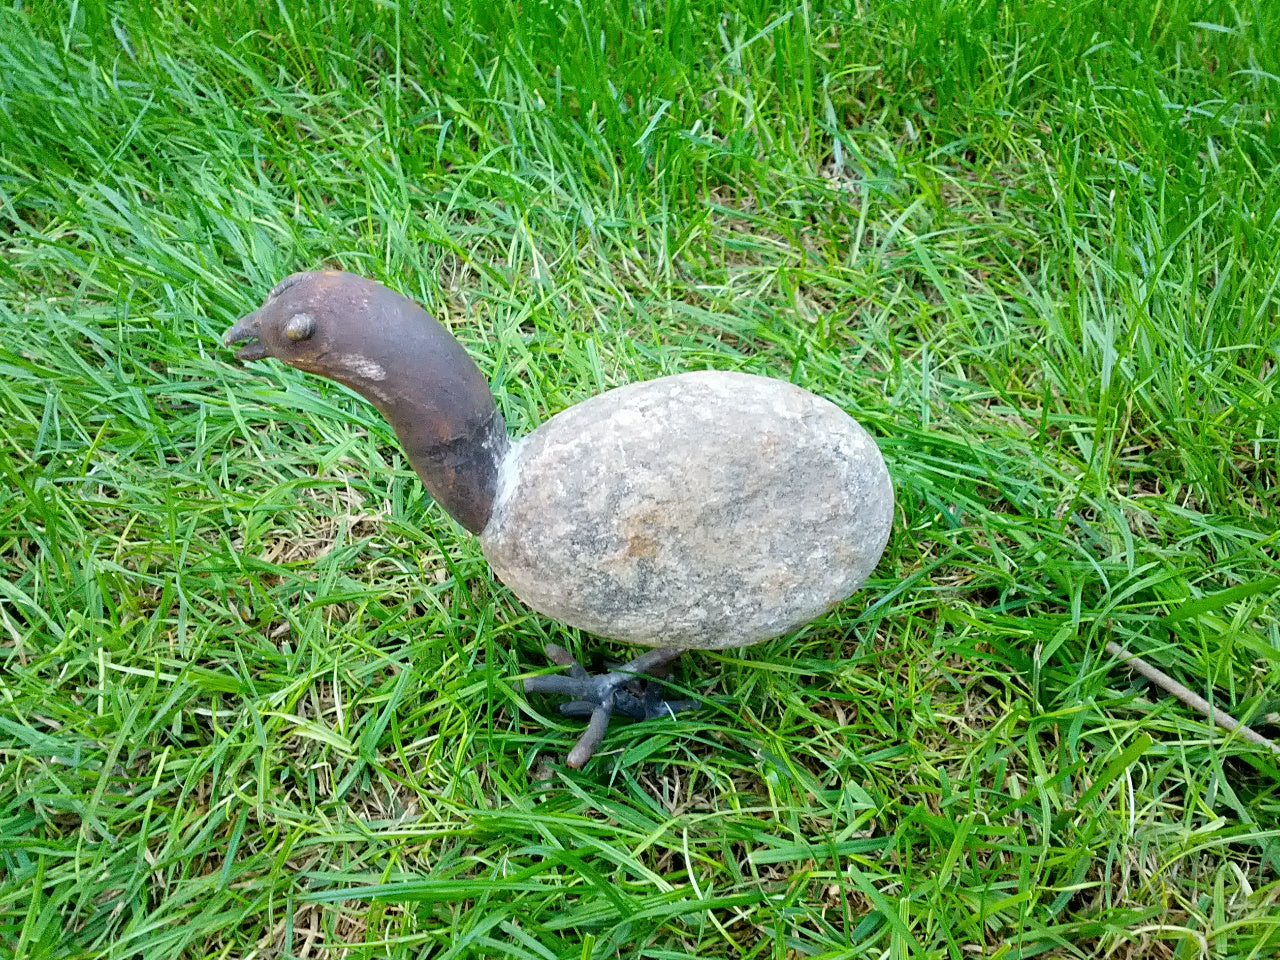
704, 510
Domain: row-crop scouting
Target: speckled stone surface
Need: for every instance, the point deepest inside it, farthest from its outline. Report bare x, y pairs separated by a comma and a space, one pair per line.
704, 510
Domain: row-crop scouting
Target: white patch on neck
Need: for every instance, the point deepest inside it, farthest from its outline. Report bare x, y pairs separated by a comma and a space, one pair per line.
360, 366
508, 480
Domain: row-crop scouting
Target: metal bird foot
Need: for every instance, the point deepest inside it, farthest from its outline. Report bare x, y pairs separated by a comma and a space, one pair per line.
634, 690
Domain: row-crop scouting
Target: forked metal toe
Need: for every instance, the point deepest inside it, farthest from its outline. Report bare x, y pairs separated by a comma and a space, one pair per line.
633, 690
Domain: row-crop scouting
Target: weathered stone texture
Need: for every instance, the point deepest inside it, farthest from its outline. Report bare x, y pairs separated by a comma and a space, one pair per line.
709, 509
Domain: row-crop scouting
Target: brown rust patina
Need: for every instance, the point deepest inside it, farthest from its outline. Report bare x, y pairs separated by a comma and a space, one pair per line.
398, 357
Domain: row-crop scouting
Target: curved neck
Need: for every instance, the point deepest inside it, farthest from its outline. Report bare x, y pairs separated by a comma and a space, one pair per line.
433, 394
460, 473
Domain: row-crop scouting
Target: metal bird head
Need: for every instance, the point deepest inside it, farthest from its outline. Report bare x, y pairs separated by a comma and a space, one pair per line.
383, 345
296, 323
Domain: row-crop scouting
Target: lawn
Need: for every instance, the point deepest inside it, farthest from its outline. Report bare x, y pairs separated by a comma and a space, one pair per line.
260, 697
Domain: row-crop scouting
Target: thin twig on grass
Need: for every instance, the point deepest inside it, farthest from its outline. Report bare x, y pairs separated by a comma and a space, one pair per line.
1190, 698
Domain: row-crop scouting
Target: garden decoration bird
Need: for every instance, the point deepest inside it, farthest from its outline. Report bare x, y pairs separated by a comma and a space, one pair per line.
698, 511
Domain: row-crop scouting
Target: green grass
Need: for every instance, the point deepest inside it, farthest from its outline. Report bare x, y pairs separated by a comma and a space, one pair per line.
259, 697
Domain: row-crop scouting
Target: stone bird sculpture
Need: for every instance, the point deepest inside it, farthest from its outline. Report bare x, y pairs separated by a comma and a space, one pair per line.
699, 511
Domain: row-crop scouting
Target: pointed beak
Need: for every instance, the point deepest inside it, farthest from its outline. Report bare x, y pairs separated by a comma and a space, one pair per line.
246, 328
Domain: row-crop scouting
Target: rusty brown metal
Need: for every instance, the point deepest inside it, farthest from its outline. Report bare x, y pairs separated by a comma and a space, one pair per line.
393, 353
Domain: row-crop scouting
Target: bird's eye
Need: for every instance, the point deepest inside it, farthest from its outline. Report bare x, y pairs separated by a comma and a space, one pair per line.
300, 327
